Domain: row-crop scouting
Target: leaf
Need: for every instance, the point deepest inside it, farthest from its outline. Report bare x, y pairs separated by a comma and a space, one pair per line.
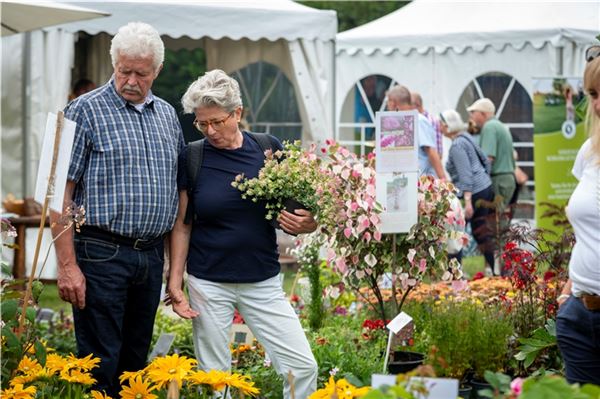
9, 309
546, 388
12, 341
30, 314
40, 353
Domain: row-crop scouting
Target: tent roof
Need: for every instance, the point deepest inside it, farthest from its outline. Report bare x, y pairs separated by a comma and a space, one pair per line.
234, 19
458, 25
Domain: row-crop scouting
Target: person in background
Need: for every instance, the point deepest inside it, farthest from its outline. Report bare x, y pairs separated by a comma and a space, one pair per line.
230, 249
578, 319
80, 87
417, 101
399, 99
123, 171
468, 168
496, 141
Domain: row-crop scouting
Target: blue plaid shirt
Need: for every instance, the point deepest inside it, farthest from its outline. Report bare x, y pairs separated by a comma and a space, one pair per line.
124, 162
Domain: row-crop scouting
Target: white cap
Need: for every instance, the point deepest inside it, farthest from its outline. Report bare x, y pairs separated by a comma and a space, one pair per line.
483, 105
452, 119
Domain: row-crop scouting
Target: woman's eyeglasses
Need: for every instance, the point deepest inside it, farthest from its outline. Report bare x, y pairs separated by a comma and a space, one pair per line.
592, 53
217, 125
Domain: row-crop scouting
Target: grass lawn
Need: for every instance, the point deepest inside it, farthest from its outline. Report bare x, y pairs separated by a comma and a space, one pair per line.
547, 118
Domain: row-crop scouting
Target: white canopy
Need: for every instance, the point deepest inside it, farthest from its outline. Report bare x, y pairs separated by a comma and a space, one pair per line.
297, 39
439, 47
20, 16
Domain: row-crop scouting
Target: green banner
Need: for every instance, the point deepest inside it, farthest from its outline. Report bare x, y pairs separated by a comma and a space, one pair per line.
558, 133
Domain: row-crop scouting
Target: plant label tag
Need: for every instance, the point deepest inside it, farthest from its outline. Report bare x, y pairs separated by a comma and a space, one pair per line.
438, 388
379, 380
399, 322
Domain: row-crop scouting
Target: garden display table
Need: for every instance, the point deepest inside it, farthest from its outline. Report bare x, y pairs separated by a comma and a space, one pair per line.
21, 223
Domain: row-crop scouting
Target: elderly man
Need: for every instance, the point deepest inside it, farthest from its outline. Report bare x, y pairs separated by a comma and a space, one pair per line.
399, 99
123, 170
496, 141
417, 102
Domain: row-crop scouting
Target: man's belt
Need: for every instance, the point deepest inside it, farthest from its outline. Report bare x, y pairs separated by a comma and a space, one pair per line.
107, 236
590, 301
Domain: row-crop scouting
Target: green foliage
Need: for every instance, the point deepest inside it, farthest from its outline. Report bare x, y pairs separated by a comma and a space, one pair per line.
59, 333
355, 13
316, 310
466, 336
339, 347
181, 328
542, 340
252, 363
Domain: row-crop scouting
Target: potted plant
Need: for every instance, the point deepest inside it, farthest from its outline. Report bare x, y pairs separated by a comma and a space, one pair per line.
292, 178
466, 338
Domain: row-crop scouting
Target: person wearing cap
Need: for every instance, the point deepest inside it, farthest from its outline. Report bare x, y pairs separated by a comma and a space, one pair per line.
468, 168
399, 99
496, 141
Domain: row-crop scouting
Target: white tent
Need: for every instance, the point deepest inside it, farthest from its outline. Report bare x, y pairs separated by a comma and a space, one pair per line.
439, 48
297, 39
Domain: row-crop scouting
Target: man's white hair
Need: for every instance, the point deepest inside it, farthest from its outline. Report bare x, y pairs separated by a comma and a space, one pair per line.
214, 89
138, 40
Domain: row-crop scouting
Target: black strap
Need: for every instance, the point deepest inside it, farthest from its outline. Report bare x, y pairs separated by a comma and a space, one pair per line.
194, 157
479, 152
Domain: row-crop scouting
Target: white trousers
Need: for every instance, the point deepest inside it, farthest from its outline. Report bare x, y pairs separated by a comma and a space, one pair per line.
269, 316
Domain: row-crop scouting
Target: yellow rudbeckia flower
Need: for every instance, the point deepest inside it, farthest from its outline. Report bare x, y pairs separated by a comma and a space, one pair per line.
18, 392
173, 367
138, 389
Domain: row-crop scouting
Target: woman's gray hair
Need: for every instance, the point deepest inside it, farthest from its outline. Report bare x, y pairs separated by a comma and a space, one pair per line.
137, 40
214, 89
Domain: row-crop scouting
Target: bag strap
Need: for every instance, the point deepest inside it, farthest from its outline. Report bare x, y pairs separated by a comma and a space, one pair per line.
195, 155
482, 158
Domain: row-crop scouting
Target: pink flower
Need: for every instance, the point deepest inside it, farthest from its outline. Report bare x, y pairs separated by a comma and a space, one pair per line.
347, 232
422, 265
517, 386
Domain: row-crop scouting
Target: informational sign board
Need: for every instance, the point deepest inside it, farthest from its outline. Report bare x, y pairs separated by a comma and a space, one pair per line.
62, 164
558, 109
397, 167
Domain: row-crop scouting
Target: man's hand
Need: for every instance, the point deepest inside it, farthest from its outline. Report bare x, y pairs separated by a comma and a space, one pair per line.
299, 222
71, 285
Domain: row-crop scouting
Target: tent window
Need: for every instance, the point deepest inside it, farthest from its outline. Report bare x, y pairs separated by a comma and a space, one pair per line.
269, 99
357, 121
514, 108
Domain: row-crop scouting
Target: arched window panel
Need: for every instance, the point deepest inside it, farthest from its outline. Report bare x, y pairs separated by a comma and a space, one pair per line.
269, 99
357, 119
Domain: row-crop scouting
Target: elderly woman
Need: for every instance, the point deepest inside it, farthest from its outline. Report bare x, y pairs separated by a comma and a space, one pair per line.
469, 170
230, 248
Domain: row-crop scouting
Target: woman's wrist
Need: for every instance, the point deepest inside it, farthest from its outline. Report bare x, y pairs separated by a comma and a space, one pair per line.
563, 297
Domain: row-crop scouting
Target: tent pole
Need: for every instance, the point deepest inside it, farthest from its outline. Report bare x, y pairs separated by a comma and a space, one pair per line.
333, 91
559, 60
26, 105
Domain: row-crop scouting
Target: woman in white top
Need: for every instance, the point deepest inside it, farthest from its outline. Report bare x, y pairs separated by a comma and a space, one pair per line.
578, 321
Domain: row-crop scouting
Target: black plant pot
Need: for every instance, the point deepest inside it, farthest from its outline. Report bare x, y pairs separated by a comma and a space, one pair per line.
478, 386
464, 391
404, 362
289, 205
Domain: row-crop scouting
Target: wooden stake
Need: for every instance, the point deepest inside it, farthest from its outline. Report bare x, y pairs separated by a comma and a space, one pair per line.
290, 377
60, 117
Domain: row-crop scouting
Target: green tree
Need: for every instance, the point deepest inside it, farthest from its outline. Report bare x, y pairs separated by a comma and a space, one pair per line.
180, 69
355, 13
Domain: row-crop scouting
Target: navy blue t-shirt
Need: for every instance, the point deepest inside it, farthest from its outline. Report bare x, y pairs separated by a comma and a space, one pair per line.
231, 241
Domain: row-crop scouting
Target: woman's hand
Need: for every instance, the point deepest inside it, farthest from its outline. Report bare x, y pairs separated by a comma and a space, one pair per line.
299, 222
469, 211
180, 304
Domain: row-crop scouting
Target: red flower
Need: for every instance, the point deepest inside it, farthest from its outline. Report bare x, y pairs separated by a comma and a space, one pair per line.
549, 275
478, 276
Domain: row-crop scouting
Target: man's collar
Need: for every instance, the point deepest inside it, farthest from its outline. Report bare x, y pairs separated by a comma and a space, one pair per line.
120, 102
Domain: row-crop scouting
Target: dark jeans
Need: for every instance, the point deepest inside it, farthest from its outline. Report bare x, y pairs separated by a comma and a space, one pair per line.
122, 294
578, 334
480, 224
